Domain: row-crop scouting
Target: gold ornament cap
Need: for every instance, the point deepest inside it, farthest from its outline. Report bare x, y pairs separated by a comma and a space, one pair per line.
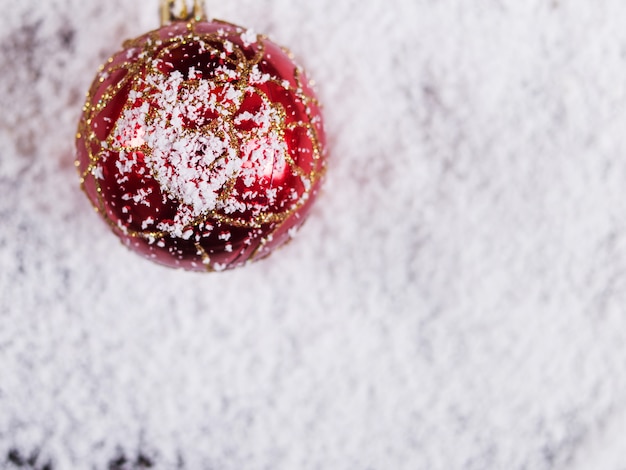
177, 10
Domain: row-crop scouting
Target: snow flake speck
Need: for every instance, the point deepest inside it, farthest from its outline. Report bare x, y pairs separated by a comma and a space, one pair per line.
97, 172
146, 223
248, 37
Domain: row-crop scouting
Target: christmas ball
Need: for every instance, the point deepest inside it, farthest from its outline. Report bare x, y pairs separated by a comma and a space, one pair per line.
201, 144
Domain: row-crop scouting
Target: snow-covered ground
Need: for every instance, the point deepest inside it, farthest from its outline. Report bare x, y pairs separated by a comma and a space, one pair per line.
456, 301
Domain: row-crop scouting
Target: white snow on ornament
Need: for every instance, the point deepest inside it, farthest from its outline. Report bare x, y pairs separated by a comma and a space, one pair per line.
248, 37
231, 93
271, 195
146, 223
141, 196
258, 78
122, 227
97, 172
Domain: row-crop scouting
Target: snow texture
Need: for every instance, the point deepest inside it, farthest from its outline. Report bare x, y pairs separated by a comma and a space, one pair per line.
456, 300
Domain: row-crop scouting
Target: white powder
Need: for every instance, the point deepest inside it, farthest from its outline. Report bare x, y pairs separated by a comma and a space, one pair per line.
97, 172
146, 223
248, 37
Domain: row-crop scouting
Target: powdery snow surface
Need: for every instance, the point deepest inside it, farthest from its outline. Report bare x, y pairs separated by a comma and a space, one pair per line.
456, 300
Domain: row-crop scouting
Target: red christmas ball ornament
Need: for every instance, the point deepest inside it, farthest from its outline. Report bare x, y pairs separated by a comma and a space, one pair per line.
201, 144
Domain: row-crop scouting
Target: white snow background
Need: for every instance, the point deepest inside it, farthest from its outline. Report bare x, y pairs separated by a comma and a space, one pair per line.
456, 301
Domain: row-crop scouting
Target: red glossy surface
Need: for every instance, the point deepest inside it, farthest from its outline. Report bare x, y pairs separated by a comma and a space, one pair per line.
218, 205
